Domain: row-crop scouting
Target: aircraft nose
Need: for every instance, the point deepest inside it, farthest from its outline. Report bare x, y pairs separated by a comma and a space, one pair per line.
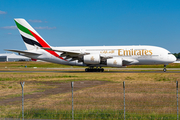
173, 58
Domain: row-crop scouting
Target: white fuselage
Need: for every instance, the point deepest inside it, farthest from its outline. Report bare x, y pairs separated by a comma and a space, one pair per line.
138, 55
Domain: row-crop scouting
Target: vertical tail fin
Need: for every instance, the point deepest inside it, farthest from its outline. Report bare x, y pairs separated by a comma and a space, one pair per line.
30, 37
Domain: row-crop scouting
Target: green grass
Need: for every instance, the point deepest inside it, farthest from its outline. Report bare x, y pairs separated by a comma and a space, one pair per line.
64, 76
36, 77
172, 65
148, 96
18, 95
163, 79
89, 114
53, 65
6, 79
151, 116
32, 65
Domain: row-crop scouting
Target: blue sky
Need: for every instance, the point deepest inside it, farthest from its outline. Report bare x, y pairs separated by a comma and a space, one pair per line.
93, 22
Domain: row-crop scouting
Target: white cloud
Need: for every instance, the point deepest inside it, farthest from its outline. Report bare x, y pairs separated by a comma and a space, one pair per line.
9, 27
36, 21
48, 28
2, 12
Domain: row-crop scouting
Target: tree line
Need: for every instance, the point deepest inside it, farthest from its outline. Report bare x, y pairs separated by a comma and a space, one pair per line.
177, 55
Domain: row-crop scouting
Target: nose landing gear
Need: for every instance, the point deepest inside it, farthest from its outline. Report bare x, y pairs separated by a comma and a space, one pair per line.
164, 68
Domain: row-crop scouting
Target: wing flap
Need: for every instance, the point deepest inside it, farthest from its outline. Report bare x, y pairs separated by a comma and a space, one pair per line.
128, 61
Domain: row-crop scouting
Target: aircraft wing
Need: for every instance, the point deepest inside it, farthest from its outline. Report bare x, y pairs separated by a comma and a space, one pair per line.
67, 52
24, 52
128, 61
105, 57
72, 54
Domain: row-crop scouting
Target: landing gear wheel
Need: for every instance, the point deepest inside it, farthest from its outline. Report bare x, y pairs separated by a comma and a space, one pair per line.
86, 70
94, 70
164, 70
102, 70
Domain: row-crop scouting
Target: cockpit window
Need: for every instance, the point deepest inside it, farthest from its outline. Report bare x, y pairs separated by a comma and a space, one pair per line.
169, 53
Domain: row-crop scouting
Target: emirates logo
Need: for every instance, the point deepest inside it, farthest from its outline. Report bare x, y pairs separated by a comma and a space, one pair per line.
92, 58
115, 63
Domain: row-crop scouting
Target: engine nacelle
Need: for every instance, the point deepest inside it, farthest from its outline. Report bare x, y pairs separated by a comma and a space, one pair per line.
92, 59
114, 62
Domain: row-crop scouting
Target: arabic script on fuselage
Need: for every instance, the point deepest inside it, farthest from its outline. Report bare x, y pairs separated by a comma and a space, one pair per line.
130, 52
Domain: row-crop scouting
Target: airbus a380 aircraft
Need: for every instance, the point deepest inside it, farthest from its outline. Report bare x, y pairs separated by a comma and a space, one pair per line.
95, 57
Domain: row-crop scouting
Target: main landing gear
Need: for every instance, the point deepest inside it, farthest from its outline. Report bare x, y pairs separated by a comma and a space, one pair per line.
91, 69
164, 68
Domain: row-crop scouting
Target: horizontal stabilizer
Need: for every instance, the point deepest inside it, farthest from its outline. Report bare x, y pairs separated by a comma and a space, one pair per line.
24, 52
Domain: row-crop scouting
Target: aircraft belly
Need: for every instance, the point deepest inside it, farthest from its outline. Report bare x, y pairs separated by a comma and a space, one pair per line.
148, 61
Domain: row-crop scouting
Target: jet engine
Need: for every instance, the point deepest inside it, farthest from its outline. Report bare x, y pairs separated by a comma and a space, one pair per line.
114, 62
91, 59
